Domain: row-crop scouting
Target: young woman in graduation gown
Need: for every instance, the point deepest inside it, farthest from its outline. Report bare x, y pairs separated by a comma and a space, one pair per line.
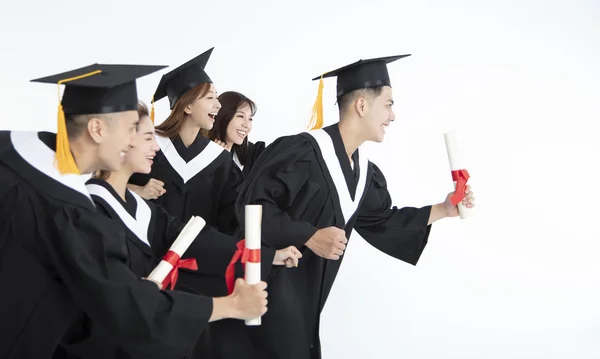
316, 187
191, 176
232, 126
150, 230
61, 260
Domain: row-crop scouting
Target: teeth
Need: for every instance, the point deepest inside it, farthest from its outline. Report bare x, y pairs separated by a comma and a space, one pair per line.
241, 133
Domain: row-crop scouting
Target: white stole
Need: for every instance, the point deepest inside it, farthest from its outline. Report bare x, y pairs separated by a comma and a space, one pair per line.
138, 225
332, 162
187, 170
36, 153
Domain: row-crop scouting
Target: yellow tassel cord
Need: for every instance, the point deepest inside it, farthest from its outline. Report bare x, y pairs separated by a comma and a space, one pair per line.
64, 158
152, 111
316, 120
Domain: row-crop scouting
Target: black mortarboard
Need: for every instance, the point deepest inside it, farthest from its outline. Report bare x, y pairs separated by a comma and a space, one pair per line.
100, 88
177, 82
93, 89
361, 74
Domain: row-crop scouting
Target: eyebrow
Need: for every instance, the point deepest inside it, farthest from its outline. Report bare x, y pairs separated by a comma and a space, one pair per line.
149, 133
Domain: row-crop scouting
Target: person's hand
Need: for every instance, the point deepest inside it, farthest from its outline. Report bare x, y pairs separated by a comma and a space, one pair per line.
328, 243
452, 210
288, 256
249, 301
152, 190
222, 144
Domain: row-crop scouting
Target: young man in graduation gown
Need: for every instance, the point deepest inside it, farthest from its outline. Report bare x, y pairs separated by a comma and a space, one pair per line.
60, 260
315, 187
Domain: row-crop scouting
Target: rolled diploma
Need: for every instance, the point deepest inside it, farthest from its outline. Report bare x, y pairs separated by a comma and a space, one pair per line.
181, 244
456, 163
253, 219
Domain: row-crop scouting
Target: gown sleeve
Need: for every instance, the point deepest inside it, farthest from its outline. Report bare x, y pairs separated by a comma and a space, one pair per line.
274, 182
89, 255
212, 249
399, 232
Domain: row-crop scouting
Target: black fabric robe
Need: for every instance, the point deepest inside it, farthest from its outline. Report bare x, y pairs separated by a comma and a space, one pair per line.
150, 232
293, 183
200, 180
254, 151
60, 261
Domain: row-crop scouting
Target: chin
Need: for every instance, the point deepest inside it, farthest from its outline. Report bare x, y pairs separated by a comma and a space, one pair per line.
113, 167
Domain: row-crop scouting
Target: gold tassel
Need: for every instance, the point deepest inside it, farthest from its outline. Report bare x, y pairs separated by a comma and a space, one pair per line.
152, 111
64, 158
317, 123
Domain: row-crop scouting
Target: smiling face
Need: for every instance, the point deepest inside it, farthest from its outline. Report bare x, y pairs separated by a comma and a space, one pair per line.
374, 110
140, 157
203, 110
240, 125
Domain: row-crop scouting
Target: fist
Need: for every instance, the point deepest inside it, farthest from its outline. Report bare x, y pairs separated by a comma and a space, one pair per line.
468, 201
152, 190
288, 256
250, 300
328, 243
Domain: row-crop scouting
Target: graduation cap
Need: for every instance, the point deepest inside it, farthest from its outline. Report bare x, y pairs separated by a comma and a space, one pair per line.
177, 82
358, 75
93, 89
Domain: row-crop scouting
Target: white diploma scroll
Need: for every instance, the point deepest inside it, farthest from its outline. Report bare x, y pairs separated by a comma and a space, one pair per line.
456, 164
181, 244
253, 226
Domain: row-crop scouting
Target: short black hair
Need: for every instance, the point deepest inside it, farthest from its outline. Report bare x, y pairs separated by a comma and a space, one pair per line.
345, 100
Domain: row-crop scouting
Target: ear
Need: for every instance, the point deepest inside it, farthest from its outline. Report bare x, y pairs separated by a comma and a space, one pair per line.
188, 109
96, 128
361, 105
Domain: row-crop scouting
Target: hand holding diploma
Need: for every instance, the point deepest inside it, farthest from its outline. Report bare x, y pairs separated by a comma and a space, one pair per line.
459, 202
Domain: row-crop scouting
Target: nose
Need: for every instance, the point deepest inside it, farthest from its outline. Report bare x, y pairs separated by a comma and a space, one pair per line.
218, 105
155, 146
392, 116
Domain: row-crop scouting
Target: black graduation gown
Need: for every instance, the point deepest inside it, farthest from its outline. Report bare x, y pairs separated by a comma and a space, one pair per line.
200, 180
295, 181
150, 232
60, 260
254, 151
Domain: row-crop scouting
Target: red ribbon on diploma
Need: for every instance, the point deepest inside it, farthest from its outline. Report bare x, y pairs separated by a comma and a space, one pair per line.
246, 255
176, 261
461, 177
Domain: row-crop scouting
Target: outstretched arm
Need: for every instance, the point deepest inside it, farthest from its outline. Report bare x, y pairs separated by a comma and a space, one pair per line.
400, 232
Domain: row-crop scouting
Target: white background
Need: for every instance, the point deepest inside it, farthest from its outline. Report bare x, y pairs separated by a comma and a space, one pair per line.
519, 80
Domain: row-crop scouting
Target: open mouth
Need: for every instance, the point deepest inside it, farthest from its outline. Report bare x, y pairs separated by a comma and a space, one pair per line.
212, 115
241, 133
